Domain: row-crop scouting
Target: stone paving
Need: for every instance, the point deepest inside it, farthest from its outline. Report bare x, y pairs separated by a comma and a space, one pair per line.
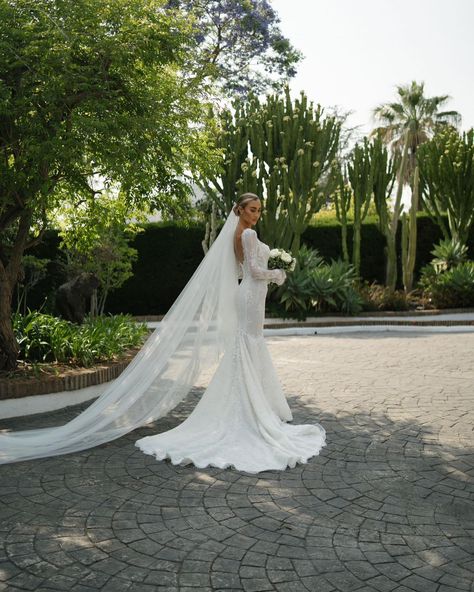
388, 505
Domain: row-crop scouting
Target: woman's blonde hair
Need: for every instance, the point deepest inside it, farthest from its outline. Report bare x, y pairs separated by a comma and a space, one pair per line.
243, 200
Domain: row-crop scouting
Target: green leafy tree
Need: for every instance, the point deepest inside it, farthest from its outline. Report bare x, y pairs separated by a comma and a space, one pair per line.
240, 43
447, 177
89, 88
95, 238
406, 124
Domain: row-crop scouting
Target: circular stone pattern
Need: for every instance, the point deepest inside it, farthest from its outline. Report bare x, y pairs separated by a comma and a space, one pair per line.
387, 505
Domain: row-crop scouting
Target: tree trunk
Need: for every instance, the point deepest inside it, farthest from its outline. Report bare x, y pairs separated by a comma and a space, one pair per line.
295, 245
391, 277
345, 250
356, 245
411, 222
8, 279
391, 269
8, 345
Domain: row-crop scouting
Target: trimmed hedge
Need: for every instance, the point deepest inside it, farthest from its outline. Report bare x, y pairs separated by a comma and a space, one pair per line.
167, 257
168, 254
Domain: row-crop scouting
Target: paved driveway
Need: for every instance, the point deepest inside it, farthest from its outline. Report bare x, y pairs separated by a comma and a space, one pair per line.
387, 506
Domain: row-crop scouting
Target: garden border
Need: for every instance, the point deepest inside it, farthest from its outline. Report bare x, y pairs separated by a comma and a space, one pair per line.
31, 396
71, 380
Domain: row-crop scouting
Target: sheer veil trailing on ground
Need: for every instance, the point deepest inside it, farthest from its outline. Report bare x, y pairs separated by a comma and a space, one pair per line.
190, 339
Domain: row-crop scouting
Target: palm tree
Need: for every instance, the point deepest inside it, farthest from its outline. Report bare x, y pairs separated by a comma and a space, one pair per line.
415, 116
405, 125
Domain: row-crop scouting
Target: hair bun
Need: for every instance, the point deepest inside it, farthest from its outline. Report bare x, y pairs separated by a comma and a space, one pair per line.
235, 209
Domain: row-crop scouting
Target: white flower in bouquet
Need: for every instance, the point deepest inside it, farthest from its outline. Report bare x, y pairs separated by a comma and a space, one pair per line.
280, 259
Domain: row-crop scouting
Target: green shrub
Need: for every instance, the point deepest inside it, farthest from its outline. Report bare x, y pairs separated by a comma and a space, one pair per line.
44, 338
447, 254
168, 254
376, 297
316, 286
453, 288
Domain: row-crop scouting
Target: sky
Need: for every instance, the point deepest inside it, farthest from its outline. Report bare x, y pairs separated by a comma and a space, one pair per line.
358, 51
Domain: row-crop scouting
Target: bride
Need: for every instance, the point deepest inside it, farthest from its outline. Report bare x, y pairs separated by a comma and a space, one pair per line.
240, 421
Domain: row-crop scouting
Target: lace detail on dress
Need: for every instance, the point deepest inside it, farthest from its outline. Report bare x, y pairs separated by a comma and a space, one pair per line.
256, 256
240, 419
253, 288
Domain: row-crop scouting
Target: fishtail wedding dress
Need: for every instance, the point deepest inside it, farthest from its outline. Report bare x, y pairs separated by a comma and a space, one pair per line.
240, 420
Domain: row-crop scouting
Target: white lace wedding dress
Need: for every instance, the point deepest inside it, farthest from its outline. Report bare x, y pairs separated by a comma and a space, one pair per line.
240, 420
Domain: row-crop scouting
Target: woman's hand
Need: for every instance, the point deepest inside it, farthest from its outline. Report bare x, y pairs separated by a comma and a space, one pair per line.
279, 282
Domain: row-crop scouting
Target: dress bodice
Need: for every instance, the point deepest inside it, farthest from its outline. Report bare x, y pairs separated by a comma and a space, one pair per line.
260, 259
254, 285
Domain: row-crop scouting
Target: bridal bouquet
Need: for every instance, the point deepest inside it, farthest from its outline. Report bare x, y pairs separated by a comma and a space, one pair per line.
280, 259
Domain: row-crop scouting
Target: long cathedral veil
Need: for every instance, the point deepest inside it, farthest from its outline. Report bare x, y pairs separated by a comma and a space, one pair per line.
190, 339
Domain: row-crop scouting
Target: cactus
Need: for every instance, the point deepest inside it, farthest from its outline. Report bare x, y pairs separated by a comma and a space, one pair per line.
447, 178
295, 146
360, 169
385, 170
342, 200
231, 138
282, 150
409, 234
211, 229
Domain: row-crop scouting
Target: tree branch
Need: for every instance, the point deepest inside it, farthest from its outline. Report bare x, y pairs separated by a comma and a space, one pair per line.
9, 216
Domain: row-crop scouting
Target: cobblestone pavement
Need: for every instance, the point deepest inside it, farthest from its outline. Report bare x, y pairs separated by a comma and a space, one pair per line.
387, 506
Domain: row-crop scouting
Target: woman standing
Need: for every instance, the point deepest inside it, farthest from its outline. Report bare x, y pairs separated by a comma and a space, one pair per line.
240, 419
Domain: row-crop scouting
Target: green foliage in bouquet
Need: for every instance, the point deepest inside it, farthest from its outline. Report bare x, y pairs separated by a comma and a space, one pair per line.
316, 286
44, 338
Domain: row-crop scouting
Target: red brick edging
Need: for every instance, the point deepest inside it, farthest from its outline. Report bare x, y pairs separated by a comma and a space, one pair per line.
71, 380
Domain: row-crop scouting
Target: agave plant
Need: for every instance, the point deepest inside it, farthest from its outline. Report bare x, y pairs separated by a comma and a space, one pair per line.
296, 293
455, 287
448, 254
319, 286
333, 288
309, 258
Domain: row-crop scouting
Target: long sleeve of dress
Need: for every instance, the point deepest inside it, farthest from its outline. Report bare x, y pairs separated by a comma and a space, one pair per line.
249, 245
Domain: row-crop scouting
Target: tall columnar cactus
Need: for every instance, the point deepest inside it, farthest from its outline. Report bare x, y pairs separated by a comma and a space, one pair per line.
409, 235
360, 170
447, 179
283, 150
211, 229
295, 146
385, 170
342, 197
232, 138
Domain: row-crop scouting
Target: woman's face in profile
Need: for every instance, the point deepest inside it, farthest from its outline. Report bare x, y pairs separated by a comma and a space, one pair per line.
250, 213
